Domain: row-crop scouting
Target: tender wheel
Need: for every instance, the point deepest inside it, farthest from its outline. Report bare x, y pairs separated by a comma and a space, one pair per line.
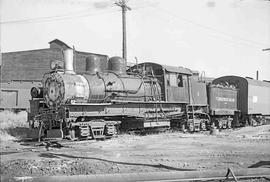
191, 127
183, 127
229, 124
72, 133
203, 126
220, 124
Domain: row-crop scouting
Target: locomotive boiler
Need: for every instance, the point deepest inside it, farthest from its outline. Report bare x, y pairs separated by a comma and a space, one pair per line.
97, 85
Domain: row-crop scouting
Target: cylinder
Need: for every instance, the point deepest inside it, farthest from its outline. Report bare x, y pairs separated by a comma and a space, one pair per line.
92, 64
117, 65
68, 59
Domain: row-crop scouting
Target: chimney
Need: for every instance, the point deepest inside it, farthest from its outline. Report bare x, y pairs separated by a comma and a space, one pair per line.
257, 75
68, 60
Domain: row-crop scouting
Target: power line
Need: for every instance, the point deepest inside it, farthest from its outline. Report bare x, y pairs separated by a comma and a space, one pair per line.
267, 49
78, 14
211, 28
41, 18
57, 17
215, 36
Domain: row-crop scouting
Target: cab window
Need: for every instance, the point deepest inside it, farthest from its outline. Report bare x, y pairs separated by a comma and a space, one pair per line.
180, 80
176, 79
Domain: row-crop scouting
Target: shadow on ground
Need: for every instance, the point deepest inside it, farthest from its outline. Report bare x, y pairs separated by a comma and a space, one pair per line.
7, 153
18, 132
54, 155
261, 164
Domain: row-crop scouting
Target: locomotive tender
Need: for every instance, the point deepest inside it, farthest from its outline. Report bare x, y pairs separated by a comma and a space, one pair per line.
107, 99
253, 99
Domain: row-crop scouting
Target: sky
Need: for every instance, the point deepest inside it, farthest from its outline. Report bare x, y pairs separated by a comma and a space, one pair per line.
215, 37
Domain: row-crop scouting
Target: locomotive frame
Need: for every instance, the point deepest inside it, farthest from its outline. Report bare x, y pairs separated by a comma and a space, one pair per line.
161, 98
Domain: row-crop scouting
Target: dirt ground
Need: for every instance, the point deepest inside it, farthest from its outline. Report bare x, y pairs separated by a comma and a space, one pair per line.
171, 151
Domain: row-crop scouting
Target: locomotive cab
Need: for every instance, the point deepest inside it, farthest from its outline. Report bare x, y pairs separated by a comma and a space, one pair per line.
174, 81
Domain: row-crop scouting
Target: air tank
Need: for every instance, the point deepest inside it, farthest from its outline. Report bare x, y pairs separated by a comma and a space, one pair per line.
117, 65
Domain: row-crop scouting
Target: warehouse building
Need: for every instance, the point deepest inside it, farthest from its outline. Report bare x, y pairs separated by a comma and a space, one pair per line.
22, 70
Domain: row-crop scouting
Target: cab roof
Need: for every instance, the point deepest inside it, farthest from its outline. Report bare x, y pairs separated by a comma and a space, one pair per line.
172, 69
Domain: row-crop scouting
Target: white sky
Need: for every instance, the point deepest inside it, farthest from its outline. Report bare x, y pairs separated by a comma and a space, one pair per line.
220, 37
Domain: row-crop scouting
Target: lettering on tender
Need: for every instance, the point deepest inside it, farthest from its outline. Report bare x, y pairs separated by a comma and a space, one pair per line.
225, 99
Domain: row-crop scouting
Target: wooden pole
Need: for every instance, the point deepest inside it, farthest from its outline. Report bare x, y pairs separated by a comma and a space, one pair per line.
124, 8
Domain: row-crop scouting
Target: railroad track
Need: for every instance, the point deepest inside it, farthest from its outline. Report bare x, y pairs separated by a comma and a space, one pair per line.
212, 175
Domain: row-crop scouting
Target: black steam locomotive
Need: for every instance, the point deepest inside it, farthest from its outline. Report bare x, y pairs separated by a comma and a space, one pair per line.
107, 99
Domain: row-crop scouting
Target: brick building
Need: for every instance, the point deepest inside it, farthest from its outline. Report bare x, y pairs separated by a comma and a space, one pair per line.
22, 70
31, 65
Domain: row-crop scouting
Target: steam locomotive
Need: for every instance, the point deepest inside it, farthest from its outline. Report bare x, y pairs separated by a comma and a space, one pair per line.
107, 99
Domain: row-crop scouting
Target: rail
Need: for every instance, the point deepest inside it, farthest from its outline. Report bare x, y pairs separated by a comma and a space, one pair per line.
184, 175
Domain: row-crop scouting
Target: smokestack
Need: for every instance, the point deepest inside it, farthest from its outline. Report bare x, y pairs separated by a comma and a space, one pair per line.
257, 75
68, 59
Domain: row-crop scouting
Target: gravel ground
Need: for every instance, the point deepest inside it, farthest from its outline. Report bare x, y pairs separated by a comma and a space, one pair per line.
173, 151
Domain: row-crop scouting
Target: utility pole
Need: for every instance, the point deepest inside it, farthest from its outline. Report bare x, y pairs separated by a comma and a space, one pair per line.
1, 67
123, 5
